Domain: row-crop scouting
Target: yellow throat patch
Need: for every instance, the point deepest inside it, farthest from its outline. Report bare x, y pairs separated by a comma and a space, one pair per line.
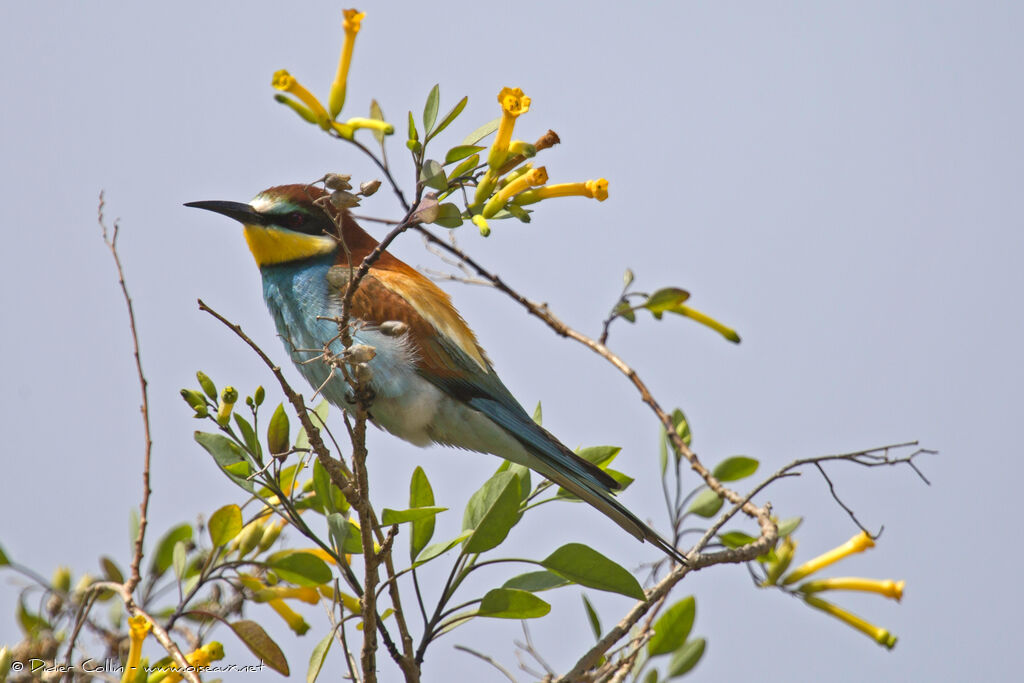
270, 245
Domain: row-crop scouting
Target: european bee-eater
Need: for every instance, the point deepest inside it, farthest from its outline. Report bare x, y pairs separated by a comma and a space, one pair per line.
431, 382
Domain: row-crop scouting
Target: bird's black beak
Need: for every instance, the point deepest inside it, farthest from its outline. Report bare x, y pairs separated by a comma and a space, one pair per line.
243, 213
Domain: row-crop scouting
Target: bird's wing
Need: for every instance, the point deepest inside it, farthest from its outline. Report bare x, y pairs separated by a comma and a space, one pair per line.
451, 359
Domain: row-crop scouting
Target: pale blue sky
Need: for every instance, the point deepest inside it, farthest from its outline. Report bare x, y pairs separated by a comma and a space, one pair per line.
839, 181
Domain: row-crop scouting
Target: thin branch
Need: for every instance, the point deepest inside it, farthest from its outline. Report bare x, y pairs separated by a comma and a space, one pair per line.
111, 242
490, 660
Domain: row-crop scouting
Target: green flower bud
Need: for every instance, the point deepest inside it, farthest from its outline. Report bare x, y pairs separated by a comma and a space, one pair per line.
207, 384
61, 580
259, 395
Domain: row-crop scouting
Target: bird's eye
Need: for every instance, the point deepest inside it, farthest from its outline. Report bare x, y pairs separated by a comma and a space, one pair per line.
295, 220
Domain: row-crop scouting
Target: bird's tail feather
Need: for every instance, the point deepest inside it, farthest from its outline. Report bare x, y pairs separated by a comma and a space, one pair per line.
580, 477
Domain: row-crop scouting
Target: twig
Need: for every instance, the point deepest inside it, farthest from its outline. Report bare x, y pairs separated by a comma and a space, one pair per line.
490, 660
111, 242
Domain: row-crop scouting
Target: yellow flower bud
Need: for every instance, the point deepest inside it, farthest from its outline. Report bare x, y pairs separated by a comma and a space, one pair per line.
249, 538
879, 635
228, 397
294, 620
373, 124
203, 657
857, 544
270, 534
480, 222
62, 579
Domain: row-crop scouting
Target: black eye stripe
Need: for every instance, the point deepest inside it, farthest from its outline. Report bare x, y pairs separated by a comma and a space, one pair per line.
306, 223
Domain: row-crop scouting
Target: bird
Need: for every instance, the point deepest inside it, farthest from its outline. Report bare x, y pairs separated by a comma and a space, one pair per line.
431, 382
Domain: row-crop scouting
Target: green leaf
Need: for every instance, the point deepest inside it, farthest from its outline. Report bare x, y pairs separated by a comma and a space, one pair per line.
31, 624
735, 539
179, 556
665, 299
228, 456
328, 495
538, 414
788, 526
448, 216
461, 152
318, 416
432, 175
316, 660
534, 582
599, 455
652, 676
430, 110
682, 426
706, 504
249, 436
587, 567
482, 132
595, 621
111, 572
377, 114
624, 310
509, 603
735, 468
435, 549
465, 167
261, 645
225, 524
4, 560
449, 117
420, 495
163, 556
672, 627
492, 512
339, 529
277, 431
686, 657
389, 516
299, 568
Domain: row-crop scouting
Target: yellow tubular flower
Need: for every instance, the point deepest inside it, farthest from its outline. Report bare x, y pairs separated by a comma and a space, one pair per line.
306, 594
285, 82
888, 587
727, 332
592, 189
513, 104
532, 178
351, 23
485, 186
138, 629
203, 657
857, 544
879, 635
375, 124
292, 618
481, 222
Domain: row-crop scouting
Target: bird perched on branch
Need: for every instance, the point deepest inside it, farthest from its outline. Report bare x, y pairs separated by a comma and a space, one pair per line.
431, 381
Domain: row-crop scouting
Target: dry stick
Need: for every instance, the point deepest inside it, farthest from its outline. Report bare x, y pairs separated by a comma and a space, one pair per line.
126, 589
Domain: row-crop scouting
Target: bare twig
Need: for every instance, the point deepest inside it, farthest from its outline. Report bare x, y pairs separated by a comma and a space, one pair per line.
111, 242
490, 660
